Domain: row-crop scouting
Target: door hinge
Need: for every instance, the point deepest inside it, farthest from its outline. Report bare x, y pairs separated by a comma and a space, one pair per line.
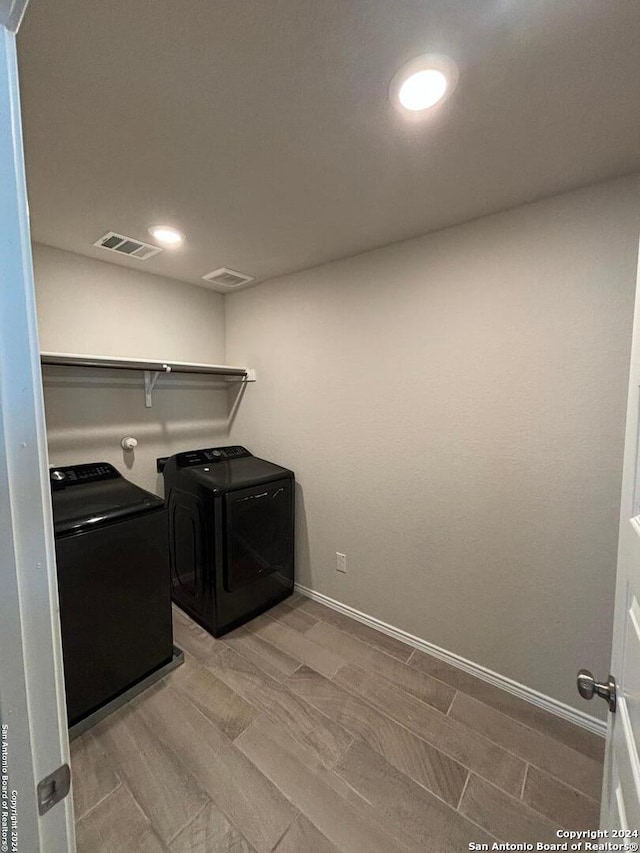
53, 788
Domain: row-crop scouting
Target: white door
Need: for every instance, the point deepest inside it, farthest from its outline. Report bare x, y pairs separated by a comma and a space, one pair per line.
621, 792
33, 731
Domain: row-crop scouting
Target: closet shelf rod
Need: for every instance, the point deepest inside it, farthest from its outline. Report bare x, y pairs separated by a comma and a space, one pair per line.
79, 360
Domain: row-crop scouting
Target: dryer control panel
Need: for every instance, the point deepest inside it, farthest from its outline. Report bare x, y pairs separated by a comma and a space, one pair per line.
211, 454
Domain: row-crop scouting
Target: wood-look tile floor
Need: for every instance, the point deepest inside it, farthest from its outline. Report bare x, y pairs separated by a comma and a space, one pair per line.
308, 731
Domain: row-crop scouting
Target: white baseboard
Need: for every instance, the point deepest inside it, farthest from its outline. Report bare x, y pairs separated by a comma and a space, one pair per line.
580, 718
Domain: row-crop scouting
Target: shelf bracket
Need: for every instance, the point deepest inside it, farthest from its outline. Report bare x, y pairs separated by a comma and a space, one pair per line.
251, 375
150, 379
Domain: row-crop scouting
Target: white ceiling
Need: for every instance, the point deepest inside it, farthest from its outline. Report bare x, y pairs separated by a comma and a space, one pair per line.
262, 128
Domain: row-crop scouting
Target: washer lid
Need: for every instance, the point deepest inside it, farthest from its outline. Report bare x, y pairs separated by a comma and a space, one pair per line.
89, 496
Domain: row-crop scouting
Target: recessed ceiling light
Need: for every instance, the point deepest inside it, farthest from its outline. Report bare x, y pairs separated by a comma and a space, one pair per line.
424, 82
167, 235
422, 90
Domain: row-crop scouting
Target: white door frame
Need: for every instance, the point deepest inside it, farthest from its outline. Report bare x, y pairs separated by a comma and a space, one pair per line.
32, 704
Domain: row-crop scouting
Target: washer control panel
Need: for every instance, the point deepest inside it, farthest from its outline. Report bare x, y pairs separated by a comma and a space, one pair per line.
72, 475
211, 454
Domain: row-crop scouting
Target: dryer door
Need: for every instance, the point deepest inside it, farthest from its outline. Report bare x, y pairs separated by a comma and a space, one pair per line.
259, 533
187, 550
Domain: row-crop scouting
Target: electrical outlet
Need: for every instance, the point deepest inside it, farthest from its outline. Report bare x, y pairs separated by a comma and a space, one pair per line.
341, 562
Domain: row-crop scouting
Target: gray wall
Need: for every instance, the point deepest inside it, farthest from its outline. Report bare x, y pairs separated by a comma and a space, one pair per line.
454, 410
86, 306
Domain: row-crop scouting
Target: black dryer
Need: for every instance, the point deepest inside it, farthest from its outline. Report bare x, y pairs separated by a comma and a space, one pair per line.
231, 535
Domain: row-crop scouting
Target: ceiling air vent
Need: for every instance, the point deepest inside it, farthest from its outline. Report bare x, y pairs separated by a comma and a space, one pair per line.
227, 278
127, 246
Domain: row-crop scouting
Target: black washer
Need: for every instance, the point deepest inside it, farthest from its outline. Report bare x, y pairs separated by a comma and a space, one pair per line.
113, 584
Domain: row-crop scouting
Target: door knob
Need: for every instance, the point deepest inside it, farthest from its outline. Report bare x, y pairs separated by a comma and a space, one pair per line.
588, 687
